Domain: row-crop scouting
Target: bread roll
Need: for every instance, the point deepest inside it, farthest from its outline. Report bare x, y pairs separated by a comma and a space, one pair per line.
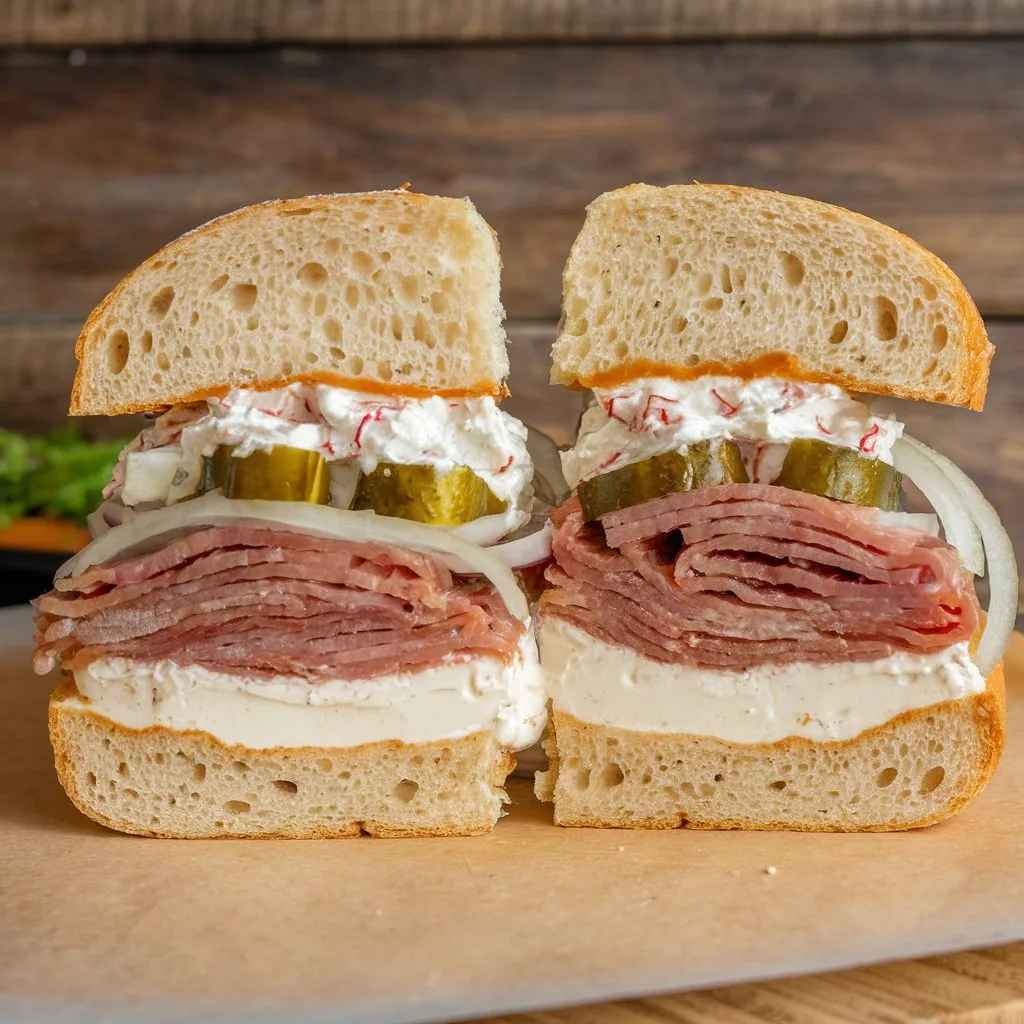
671, 706
391, 293
695, 279
918, 768
188, 785
381, 291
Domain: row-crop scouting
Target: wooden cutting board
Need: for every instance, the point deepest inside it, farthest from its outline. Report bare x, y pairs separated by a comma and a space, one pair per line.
425, 929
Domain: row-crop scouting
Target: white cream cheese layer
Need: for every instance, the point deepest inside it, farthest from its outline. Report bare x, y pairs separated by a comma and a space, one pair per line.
653, 415
446, 702
608, 685
346, 427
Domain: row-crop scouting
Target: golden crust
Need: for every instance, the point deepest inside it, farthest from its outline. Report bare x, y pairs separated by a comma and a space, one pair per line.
62, 722
976, 354
89, 338
984, 712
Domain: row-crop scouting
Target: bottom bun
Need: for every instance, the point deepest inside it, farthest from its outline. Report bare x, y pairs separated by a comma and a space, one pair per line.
916, 769
188, 785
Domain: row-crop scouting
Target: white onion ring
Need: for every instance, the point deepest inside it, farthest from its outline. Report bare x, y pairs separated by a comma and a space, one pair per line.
1002, 566
488, 530
104, 518
526, 550
526, 542
934, 483
549, 483
145, 530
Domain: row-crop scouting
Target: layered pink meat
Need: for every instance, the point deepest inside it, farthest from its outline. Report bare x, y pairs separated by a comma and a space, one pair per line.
249, 600
739, 575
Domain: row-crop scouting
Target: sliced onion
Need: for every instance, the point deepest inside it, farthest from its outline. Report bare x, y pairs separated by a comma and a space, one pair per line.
528, 549
549, 483
1002, 565
148, 530
488, 530
915, 461
926, 522
110, 514
344, 479
97, 523
149, 475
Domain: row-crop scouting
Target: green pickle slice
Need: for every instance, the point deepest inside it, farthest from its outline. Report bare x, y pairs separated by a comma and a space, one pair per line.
280, 474
702, 464
423, 495
818, 467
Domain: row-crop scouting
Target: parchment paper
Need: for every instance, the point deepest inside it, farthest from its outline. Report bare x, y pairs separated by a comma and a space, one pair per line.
107, 926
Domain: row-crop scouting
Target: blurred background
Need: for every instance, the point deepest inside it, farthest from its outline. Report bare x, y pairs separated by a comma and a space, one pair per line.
127, 122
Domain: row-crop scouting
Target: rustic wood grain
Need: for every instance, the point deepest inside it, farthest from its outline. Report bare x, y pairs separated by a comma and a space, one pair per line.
981, 987
37, 366
92, 22
102, 164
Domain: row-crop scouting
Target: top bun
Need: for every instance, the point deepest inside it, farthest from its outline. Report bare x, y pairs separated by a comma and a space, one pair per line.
696, 279
390, 292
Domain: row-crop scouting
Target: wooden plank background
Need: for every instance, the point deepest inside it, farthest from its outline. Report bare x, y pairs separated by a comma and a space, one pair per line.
102, 164
89, 22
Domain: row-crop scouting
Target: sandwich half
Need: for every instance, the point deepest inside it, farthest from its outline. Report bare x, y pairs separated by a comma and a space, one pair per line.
300, 615
744, 627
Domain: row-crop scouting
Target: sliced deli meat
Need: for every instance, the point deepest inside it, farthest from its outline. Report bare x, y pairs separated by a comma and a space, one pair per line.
738, 575
194, 556
257, 601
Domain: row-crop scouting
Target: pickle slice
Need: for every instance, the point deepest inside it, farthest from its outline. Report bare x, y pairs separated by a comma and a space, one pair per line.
280, 474
422, 494
818, 467
702, 464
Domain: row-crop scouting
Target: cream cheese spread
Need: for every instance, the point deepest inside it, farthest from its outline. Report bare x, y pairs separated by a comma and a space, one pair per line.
346, 427
610, 685
449, 701
653, 415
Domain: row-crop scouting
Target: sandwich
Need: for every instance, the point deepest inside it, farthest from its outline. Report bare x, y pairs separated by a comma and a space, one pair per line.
300, 615
745, 627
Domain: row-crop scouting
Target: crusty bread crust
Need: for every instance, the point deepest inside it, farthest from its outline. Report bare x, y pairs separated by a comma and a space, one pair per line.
601, 776
692, 280
385, 321
177, 784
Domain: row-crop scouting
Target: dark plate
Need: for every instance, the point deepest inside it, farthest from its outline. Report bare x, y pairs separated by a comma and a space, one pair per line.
27, 574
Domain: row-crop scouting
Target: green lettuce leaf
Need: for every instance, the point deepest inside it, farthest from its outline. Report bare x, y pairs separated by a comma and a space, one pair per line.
61, 474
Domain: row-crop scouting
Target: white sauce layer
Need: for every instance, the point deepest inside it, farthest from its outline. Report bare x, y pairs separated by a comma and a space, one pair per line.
446, 702
654, 415
346, 427
607, 685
